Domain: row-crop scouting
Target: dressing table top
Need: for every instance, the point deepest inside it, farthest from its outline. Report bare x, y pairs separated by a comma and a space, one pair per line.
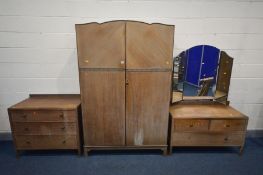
205, 111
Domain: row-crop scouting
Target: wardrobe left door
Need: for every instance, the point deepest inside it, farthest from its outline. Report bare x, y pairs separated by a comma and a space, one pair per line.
101, 55
103, 107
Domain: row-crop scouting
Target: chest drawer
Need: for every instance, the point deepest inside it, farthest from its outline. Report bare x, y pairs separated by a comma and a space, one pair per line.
43, 116
46, 142
44, 128
191, 125
228, 125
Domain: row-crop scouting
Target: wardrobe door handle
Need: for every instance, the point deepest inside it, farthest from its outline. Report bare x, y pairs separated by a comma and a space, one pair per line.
227, 126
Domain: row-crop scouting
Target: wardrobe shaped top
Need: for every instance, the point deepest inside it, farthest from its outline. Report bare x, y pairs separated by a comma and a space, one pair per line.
125, 45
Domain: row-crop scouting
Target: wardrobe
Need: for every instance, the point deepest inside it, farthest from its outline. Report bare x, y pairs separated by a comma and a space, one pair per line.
125, 72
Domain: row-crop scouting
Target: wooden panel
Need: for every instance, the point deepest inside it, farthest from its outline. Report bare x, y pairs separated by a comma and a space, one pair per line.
44, 128
43, 115
228, 125
207, 139
149, 46
46, 142
101, 45
224, 72
103, 107
191, 125
147, 105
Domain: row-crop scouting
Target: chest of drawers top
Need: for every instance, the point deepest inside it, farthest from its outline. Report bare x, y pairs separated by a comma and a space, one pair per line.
48, 102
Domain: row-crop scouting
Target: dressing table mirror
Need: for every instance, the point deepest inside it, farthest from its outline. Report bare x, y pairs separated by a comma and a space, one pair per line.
201, 72
200, 114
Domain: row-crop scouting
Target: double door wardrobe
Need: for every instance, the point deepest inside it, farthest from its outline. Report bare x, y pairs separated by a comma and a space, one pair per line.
125, 72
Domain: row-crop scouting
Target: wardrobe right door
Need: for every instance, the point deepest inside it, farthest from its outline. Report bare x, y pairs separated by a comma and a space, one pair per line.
149, 49
147, 108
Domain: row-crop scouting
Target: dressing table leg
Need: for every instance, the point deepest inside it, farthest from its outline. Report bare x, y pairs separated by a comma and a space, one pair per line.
241, 150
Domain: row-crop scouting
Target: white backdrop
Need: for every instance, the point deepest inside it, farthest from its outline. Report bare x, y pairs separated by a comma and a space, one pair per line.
38, 47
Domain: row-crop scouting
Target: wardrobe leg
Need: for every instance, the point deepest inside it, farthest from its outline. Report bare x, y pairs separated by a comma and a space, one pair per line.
165, 152
79, 152
86, 150
18, 154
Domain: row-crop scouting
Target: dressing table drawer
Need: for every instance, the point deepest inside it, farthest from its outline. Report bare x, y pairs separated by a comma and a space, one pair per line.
44, 128
43, 115
228, 125
207, 139
46, 142
191, 125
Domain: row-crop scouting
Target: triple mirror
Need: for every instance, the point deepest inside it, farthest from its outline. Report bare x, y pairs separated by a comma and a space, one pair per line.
201, 72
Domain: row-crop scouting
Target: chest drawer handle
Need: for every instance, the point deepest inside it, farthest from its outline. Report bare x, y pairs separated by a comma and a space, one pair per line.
28, 142
24, 116
226, 139
63, 128
61, 115
191, 125
26, 129
64, 142
227, 126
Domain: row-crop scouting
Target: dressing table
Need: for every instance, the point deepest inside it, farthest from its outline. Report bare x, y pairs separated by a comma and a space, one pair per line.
200, 114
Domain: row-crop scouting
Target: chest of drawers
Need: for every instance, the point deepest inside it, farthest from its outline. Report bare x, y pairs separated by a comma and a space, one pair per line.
207, 125
44, 122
